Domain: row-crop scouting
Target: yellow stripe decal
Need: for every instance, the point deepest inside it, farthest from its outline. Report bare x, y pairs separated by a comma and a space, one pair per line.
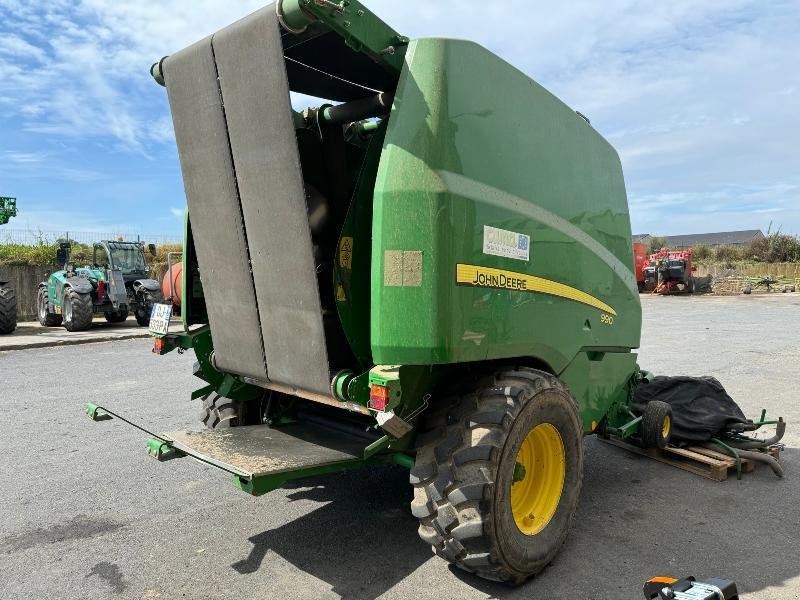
477, 276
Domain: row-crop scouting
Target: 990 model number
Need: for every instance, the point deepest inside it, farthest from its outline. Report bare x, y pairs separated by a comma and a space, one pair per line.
607, 319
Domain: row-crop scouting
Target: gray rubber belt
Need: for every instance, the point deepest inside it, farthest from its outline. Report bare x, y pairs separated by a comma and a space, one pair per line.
214, 209
255, 90
262, 184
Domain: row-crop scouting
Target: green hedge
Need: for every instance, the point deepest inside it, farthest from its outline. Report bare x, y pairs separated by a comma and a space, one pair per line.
774, 248
44, 255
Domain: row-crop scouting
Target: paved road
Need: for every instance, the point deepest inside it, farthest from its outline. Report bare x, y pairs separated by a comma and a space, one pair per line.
84, 513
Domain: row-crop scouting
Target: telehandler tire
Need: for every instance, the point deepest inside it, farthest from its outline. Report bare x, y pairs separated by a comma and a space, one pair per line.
77, 310
116, 316
142, 313
8, 309
498, 474
656, 427
46, 318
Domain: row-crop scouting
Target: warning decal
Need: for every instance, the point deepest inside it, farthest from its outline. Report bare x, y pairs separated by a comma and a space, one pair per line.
346, 253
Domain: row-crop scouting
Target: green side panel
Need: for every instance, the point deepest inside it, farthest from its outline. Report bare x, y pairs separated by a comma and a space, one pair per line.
598, 381
473, 142
55, 288
352, 263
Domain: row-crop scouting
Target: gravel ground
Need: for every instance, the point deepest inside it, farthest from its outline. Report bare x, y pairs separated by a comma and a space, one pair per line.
84, 513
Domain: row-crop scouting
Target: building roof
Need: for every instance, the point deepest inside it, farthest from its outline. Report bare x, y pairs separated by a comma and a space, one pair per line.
713, 239
703, 239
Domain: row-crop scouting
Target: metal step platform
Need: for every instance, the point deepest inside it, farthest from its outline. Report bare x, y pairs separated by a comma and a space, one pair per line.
262, 458
260, 450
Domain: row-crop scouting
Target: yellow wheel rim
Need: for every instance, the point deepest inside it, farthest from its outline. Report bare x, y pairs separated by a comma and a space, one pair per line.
666, 426
538, 479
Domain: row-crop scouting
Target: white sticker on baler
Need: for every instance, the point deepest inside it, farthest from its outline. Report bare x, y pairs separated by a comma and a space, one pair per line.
510, 244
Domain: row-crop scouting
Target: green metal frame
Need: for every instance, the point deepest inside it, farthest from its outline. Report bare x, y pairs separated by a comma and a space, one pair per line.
262, 485
360, 28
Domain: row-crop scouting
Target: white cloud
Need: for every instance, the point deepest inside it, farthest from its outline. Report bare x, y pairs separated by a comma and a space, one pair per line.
24, 158
698, 98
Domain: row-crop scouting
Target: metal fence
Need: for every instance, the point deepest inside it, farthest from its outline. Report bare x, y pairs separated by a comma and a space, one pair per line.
31, 237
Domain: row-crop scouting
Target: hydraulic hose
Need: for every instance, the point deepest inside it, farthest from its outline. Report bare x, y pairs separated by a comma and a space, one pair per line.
764, 458
738, 454
780, 429
372, 106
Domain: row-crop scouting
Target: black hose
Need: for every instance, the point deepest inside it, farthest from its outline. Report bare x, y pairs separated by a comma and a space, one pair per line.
780, 429
373, 106
764, 458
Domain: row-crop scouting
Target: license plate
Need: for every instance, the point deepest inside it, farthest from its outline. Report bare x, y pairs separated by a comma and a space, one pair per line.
159, 319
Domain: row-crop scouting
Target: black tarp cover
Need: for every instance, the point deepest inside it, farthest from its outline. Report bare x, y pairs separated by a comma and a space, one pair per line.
701, 408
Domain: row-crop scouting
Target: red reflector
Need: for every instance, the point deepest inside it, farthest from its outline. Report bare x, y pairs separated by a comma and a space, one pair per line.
378, 397
101, 290
159, 345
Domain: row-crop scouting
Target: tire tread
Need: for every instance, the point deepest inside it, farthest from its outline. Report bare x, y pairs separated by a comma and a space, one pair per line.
453, 475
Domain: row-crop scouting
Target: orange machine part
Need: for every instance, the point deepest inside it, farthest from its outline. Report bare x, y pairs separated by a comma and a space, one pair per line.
177, 284
639, 260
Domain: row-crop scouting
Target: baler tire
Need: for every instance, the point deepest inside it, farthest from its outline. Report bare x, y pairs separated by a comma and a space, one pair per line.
466, 462
656, 427
116, 316
8, 309
220, 412
82, 310
46, 318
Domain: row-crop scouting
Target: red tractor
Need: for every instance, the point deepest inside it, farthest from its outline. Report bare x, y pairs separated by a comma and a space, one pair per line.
668, 271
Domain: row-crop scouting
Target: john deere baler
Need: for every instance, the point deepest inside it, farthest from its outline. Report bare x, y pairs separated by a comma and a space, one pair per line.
431, 267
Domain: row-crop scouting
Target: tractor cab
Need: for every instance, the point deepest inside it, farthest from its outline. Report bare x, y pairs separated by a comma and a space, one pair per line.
126, 257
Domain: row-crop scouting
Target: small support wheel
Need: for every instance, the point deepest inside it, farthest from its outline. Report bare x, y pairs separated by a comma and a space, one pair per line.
656, 427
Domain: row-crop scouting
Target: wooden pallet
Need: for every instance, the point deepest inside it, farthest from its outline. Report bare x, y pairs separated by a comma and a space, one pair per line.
695, 459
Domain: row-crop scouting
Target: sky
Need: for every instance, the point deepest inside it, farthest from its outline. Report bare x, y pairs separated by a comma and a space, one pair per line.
700, 99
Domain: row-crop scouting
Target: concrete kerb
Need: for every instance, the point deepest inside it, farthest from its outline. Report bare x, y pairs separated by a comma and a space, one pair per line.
30, 335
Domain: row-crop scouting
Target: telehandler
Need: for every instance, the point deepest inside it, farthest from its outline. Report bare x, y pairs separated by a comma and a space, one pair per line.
115, 284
